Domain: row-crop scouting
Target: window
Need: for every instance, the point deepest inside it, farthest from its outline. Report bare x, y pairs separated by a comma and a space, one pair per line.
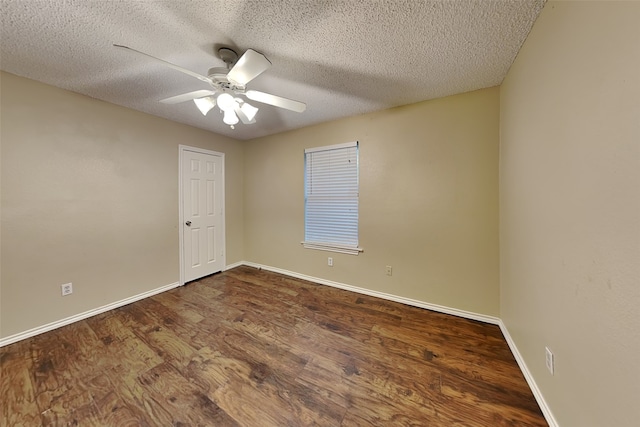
331, 198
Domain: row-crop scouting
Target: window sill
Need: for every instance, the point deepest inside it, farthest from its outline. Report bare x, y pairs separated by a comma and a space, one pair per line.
351, 250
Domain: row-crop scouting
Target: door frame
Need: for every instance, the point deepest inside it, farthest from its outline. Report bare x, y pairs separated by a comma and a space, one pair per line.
182, 150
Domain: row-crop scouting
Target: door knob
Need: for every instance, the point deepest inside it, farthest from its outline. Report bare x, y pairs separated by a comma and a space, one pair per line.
188, 223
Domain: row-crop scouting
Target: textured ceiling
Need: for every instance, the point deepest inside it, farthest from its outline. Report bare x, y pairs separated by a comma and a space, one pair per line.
341, 57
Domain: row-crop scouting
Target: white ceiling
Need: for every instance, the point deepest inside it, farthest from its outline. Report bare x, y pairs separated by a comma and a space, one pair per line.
341, 57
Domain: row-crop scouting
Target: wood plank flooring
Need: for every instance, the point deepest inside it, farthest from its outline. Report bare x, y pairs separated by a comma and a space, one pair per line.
252, 348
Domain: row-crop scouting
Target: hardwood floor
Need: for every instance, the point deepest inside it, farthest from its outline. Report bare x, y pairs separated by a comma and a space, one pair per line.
253, 348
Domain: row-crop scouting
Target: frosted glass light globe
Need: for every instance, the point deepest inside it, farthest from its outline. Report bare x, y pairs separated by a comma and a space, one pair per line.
226, 102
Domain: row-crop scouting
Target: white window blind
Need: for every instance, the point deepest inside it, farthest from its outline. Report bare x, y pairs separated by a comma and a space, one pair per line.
331, 198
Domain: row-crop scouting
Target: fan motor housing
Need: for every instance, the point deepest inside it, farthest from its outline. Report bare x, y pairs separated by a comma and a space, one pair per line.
229, 56
218, 76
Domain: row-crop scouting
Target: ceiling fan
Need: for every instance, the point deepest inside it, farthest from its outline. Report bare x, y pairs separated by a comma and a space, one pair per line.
227, 85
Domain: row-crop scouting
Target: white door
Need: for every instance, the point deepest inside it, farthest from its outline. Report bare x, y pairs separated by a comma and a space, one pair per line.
202, 211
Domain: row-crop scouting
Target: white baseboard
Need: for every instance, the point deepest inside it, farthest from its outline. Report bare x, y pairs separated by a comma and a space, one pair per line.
234, 265
546, 411
408, 301
81, 316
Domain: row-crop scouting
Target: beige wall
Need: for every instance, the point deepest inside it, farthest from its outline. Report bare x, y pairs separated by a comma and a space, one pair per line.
90, 196
428, 201
570, 209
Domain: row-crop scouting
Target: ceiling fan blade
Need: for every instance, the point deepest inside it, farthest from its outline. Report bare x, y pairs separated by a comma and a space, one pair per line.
187, 96
250, 65
277, 101
167, 64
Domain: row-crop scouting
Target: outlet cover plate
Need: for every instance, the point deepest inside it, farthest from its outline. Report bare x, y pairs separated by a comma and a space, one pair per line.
67, 289
549, 360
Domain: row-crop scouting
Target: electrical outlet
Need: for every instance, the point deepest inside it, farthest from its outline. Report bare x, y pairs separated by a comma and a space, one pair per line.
389, 270
67, 289
330, 262
549, 360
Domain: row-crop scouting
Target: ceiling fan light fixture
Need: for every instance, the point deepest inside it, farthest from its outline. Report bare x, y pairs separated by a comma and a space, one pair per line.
230, 118
227, 83
247, 112
205, 104
226, 102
